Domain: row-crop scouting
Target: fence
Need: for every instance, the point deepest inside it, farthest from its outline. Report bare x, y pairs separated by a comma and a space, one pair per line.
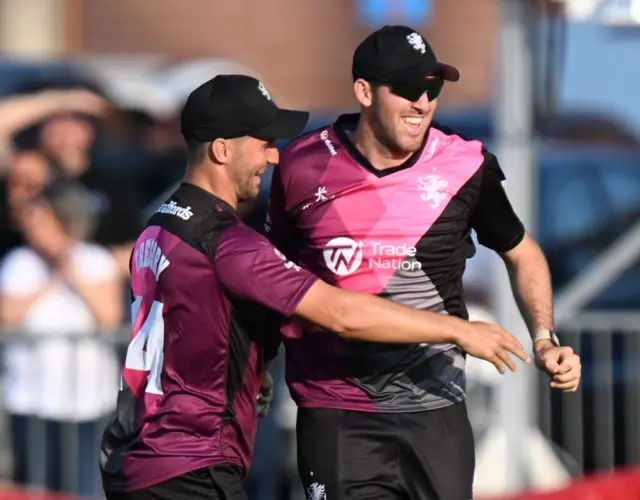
597, 428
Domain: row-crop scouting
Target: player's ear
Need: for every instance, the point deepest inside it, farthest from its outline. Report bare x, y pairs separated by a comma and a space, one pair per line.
221, 151
364, 92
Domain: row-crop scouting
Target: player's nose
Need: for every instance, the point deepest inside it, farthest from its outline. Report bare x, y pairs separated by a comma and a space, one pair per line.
423, 104
273, 156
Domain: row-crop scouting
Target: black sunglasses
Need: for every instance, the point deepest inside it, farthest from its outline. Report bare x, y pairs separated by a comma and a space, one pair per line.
413, 91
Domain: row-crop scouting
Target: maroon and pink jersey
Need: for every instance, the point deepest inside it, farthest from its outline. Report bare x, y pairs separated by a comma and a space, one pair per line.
203, 286
403, 234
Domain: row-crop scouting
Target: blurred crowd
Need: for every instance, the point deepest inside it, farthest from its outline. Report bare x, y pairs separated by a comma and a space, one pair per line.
66, 228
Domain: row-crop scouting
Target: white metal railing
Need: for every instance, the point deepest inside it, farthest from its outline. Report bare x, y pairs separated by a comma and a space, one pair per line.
599, 425
596, 428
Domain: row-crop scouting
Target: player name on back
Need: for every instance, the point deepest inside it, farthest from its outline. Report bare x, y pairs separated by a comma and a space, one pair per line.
148, 254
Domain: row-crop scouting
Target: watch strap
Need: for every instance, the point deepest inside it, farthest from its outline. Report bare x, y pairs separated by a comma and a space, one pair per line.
545, 334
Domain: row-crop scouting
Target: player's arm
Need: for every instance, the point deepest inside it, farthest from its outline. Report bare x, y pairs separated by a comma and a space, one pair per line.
252, 269
499, 228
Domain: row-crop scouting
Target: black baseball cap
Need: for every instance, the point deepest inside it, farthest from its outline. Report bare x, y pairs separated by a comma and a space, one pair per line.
398, 54
230, 106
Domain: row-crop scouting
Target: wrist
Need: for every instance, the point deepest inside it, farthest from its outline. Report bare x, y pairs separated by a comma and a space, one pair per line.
542, 345
545, 334
453, 332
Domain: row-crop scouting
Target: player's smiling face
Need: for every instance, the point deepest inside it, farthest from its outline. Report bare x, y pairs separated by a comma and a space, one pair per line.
399, 124
251, 159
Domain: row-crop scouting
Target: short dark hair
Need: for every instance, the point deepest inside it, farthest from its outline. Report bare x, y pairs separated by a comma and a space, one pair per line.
196, 152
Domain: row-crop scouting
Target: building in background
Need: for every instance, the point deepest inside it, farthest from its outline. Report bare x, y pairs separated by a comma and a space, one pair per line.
302, 50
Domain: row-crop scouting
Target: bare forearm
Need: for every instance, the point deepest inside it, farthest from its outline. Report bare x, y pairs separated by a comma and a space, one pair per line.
21, 112
17, 113
370, 318
531, 284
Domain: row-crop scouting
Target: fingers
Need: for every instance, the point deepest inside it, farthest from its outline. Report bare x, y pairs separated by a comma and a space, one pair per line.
569, 374
558, 360
567, 386
511, 344
519, 353
504, 356
262, 410
497, 362
565, 354
563, 365
567, 377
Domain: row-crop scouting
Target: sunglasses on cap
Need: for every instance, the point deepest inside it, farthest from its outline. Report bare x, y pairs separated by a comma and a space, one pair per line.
414, 90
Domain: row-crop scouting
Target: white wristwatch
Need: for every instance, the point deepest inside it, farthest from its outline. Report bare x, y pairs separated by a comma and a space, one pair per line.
545, 334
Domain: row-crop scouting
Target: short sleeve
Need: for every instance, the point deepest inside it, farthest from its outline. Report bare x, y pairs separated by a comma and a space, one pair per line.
22, 272
279, 227
96, 263
493, 218
250, 268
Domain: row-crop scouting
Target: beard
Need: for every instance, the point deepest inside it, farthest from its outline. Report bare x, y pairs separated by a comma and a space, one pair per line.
246, 186
391, 139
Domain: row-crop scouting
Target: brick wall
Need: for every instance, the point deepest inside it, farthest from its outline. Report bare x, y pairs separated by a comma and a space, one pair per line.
301, 49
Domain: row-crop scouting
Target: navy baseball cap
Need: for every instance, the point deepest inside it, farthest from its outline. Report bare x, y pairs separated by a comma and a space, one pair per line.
230, 106
398, 54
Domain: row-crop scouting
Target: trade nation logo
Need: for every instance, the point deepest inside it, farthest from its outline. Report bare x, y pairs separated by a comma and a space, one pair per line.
342, 255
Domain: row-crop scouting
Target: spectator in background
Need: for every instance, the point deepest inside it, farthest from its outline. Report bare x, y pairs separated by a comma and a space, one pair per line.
60, 291
62, 124
33, 106
29, 172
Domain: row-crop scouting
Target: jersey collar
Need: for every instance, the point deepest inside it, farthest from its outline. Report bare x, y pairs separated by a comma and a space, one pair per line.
348, 123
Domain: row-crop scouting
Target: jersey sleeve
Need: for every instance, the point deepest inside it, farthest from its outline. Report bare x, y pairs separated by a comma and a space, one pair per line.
251, 268
279, 226
494, 220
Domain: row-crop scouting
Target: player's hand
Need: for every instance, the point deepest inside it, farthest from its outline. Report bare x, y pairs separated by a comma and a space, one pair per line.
263, 400
490, 342
560, 363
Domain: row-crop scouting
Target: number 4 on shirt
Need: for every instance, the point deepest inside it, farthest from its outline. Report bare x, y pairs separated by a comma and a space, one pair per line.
149, 360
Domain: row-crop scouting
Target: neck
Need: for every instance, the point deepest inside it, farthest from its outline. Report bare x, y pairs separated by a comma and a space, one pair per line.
379, 156
198, 177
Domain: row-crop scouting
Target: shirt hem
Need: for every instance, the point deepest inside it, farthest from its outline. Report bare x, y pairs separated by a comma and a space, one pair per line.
175, 473
370, 407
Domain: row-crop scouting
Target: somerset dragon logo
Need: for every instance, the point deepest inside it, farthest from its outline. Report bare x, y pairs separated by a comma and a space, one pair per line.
434, 189
417, 42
